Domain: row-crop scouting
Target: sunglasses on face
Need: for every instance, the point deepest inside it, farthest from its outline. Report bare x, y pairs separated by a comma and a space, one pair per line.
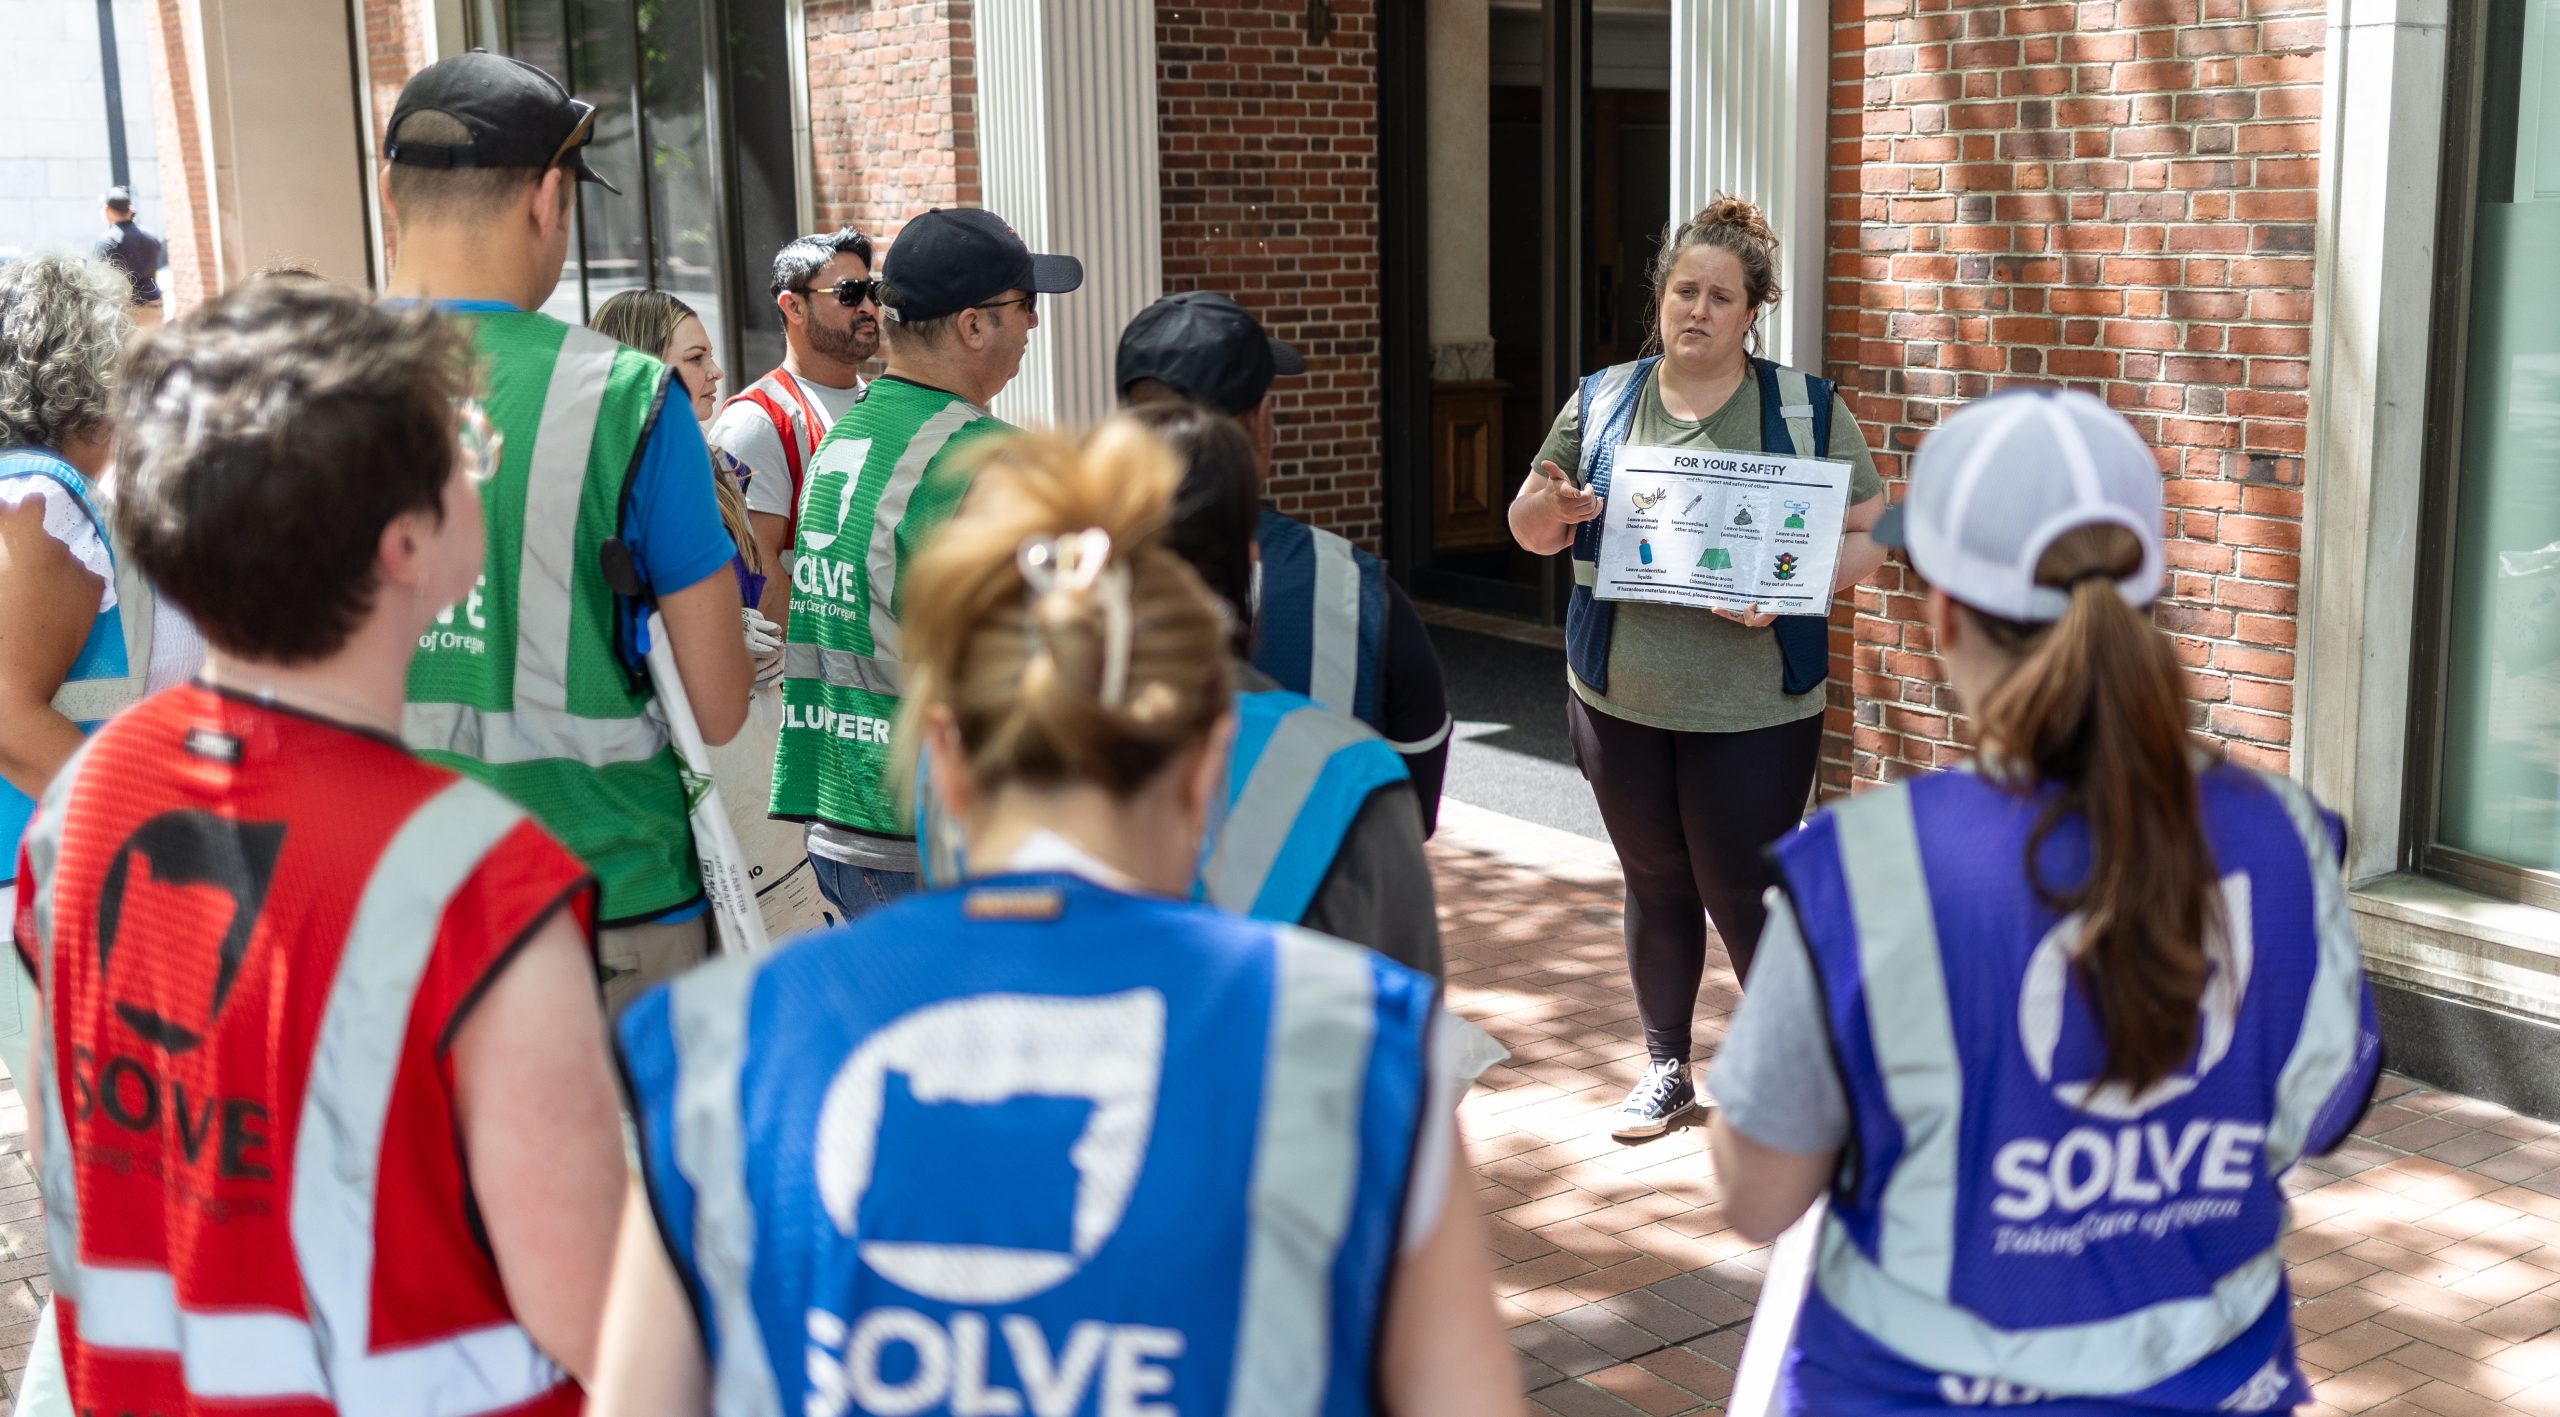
848, 292
1028, 303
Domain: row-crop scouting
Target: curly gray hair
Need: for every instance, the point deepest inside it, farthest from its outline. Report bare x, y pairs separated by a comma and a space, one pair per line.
62, 324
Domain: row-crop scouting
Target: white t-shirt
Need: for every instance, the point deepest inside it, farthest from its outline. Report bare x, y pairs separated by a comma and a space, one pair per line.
177, 651
745, 432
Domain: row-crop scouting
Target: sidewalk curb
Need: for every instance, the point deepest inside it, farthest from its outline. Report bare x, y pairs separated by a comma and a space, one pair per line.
1528, 846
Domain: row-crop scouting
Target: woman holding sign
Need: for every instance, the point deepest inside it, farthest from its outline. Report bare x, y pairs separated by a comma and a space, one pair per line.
1694, 709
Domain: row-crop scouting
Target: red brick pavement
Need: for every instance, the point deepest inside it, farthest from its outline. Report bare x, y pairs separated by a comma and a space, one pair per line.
2426, 1252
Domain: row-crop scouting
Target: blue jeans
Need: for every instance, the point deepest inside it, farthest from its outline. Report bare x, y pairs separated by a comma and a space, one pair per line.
853, 890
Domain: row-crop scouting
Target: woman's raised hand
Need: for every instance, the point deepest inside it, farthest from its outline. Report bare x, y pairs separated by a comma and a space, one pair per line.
1573, 505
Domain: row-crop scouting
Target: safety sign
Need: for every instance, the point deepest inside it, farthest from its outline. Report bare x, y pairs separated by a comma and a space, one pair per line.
1715, 529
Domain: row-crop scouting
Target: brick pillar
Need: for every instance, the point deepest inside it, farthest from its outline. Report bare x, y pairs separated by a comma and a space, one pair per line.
893, 92
186, 192
1268, 141
2114, 196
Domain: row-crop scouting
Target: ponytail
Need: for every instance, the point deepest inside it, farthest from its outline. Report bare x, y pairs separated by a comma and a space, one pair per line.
1070, 646
2097, 706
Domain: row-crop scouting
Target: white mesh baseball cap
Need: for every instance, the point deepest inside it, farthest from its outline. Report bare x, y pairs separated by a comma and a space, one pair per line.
2006, 475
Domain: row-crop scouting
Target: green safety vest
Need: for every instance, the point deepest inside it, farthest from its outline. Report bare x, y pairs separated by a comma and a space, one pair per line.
886, 477
521, 685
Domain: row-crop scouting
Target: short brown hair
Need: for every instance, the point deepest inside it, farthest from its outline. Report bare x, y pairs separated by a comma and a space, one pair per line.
451, 193
264, 444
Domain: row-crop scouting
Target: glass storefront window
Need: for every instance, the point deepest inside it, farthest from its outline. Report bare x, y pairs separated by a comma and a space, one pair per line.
2498, 795
694, 123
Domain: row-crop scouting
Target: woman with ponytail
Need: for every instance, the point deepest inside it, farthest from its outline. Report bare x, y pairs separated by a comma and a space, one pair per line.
1699, 732
2047, 1029
1055, 1139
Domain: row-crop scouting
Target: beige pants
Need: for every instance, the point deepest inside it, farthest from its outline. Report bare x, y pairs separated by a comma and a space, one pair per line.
636, 957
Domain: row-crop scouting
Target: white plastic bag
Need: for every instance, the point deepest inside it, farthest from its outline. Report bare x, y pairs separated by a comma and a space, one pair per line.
715, 844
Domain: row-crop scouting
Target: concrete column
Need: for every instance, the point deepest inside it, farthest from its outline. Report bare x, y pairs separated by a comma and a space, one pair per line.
1067, 154
2372, 311
1750, 94
1461, 248
288, 157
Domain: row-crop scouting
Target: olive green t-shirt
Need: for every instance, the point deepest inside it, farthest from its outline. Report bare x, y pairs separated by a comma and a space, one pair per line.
1681, 667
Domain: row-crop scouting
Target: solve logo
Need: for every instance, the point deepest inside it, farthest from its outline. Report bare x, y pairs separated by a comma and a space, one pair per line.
153, 890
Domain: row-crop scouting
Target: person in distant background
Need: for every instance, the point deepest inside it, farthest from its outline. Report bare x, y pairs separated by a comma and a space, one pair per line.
135, 252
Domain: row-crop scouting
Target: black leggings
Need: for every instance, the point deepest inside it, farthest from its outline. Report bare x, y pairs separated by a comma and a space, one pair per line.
1690, 814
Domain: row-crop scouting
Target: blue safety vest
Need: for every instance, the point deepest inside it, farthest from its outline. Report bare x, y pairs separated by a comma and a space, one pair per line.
1297, 777
1795, 416
2001, 1231
1296, 781
1322, 619
107, 674
1035, 1145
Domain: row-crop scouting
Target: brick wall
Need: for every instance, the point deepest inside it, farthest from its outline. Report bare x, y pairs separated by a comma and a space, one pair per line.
893, 94
186, 225
2117, 196
398, 35
1269, 152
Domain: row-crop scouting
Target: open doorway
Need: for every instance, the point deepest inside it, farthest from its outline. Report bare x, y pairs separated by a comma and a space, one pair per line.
1536, 180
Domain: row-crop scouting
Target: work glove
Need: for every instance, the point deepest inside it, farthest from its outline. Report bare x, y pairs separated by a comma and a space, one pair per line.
763, 636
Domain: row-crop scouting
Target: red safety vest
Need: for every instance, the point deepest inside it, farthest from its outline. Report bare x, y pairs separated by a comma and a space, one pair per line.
256, 933
797, 422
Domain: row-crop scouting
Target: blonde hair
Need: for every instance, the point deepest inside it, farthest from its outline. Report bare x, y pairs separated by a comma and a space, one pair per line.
1026, 663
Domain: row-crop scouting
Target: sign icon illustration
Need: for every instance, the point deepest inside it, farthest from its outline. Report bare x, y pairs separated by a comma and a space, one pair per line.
1742, 516
1647, 501
1644, 552
1786, 567
1715, 558
1795, 515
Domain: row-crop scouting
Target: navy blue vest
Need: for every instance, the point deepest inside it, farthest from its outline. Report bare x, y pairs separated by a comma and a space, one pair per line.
1804, 641
1322, 619
1035, 1145
2003, 1230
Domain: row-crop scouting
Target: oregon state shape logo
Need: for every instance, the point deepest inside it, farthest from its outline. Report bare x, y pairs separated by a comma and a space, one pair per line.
1092, 1066
841, 460
2044, 1011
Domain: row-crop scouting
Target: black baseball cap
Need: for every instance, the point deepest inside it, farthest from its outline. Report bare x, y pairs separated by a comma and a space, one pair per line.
1205, 347
954, 257
518, 116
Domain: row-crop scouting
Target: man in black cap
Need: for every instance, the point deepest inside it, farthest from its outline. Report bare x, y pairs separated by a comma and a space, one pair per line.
600, 507
959, 297
1330, 622
134, 251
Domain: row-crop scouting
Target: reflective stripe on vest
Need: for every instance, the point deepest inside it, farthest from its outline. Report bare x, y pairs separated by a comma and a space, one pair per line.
1322, 612
844, 668
271, 1356
1901, 1298
1300, 1202
880, 556
1305, 774
707, 1013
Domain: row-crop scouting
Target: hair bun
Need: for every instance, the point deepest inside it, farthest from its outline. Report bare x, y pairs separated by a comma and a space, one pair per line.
1738, 213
